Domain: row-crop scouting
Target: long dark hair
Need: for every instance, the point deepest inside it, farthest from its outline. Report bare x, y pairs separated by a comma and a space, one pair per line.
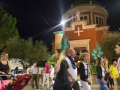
99, 62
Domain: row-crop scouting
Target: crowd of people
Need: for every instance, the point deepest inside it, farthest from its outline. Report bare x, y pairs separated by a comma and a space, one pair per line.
63, 75
109, 77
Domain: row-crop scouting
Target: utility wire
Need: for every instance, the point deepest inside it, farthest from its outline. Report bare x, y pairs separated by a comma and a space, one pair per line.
39, 13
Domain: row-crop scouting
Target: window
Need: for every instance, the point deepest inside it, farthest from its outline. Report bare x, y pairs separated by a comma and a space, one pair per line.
81, 18
85, 17
97, 20
102, 21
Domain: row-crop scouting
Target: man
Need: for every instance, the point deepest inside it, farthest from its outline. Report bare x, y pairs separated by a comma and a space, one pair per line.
34, 72
114, 74
72, 68
28, 71
40, 79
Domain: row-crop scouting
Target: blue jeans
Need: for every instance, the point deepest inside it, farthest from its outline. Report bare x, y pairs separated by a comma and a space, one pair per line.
102, 85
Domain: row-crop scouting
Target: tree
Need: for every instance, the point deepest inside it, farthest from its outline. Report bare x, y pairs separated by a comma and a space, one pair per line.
26, 50
7, 27
108, 44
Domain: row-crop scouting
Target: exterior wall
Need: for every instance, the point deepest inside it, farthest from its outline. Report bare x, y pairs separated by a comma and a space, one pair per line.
86, 34
53, 48
99, 35
58, 40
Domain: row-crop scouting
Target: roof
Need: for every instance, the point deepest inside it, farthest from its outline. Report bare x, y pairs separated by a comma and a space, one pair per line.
78, 2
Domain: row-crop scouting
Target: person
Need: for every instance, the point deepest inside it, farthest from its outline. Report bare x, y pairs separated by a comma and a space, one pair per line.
107, 73
114, 75
28, 71
57, 54
62, 82
72, 68
34, 73
51, 75
15, 71
117, 49
104, 59
56, 67
40, 79
101, 74
85, 71
46, 76
5, 67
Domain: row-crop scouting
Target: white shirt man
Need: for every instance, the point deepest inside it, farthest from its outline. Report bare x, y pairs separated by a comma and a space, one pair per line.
34, 72
72, 68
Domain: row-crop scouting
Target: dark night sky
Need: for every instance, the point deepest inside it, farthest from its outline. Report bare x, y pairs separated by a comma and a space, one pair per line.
31, 24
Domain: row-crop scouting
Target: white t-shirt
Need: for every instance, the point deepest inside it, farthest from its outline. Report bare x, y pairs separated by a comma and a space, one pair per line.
103, 71
34, 70
86, 67
71, 69
40, 69
118, 65
52, 71
28, 70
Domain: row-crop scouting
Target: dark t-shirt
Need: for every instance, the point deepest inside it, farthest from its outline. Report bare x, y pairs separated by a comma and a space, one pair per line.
63, 73
4, 68
62, 76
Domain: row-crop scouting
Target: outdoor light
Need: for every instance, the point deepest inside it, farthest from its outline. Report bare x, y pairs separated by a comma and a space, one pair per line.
63, 22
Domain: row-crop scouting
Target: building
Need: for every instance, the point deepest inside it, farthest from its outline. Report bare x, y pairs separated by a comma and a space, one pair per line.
87, 24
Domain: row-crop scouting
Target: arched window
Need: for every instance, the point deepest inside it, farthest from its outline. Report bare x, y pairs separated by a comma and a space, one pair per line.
99, 20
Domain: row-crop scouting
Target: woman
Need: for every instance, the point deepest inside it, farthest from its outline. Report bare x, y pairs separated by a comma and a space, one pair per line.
85, 72
4, 65
117, 49
62, 82
101, 74
57, 54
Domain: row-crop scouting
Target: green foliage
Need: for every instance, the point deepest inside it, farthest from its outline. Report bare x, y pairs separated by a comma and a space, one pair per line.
109, 43
7, 27
64, 45
97, 53
26, 50
52, 57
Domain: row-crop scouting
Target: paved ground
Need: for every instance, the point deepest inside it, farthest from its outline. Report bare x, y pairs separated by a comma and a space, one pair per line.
94, 86
28, 87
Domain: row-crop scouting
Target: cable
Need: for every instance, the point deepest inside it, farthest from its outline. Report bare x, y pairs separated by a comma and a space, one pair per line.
39, 13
